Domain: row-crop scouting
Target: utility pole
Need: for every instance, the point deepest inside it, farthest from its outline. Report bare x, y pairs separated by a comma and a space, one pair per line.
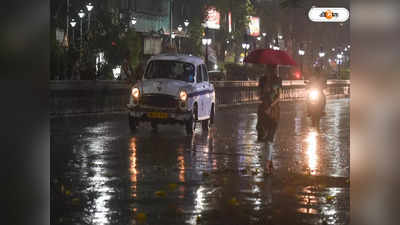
171, 6
67, 22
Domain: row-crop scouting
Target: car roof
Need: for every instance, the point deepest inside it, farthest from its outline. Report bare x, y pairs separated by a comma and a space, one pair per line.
178, 57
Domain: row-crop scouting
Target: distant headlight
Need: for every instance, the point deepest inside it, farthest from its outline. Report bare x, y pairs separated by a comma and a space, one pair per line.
183, 95
135, 92
313, 95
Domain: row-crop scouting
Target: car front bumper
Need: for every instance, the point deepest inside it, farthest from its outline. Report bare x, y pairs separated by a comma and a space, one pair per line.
173, 115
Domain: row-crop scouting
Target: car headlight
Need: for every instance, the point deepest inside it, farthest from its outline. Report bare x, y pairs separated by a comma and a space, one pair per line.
183, 96
313, 95
135, 92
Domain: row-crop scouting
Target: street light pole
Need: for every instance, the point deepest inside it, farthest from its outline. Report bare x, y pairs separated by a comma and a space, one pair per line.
89, 7
245, 47
207, 55
73, 24
67, 22
81, 14
170, 19
179, 38
186, 23
301, 53
339, 61
206, 42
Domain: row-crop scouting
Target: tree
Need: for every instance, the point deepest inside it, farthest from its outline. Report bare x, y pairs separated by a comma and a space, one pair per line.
240, 10
292, 6
195, 32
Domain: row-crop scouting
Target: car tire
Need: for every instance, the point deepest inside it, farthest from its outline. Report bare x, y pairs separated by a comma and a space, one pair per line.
205, 124
191, 123
212, 114
132, 123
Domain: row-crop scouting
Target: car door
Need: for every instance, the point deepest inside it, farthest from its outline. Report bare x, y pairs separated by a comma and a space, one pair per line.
208, 91
199, 93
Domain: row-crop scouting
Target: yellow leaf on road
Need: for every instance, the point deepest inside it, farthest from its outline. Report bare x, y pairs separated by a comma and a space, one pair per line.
234, 202
141, 216
160, 193
330, 198
76, 201
172, 186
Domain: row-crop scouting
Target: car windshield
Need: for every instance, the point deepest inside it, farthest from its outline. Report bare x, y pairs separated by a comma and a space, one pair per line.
170, 70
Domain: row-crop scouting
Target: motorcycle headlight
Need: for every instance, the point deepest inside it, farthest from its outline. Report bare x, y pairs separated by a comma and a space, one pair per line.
135, 92
313, 95
183, 96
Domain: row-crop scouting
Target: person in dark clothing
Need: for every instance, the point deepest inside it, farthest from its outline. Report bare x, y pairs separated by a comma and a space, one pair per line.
269, 111
269, 91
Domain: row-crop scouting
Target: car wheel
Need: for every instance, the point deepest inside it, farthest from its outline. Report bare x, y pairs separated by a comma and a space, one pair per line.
212, 114
132, 123
205, 124
191, 123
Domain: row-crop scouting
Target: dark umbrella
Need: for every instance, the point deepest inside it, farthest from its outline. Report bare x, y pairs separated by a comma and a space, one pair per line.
269, 57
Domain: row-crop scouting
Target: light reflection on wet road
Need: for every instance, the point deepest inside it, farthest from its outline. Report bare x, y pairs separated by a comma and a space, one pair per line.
170, 178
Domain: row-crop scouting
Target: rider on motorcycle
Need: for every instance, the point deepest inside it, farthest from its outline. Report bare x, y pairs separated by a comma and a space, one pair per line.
318, 82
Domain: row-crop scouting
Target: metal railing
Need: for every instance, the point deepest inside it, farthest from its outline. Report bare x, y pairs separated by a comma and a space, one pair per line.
77, 97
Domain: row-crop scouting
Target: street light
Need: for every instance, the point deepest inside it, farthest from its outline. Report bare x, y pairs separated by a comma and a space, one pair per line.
133, 20
89, 8
264, 34
180, 28
81, 14
206, 42
173, 35
246, 47
259, 38
73, 24
186, 23
301, 52
280, 36
333, 49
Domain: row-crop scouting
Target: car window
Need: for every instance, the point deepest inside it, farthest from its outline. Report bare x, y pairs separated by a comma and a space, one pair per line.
170, 70
205, 74
199, 77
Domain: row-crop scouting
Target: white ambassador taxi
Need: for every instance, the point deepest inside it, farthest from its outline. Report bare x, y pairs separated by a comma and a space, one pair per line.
174, 89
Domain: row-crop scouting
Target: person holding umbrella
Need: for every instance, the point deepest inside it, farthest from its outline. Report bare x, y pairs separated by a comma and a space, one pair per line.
268, 112
269, 86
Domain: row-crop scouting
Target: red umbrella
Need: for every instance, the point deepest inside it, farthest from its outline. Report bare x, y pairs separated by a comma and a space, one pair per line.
269, 57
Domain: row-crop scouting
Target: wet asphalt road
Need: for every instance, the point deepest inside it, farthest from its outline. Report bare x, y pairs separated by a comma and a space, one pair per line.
101, 173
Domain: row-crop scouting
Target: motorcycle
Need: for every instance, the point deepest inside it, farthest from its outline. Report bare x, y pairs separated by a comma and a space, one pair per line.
315, 105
